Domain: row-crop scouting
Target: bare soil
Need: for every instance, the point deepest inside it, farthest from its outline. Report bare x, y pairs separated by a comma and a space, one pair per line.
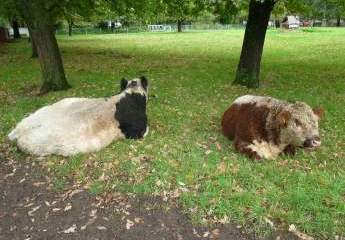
31, 209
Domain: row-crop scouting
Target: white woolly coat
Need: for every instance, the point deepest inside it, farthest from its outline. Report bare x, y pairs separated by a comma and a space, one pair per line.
68, 127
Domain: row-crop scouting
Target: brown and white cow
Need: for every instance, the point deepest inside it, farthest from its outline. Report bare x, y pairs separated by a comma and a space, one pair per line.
264, 127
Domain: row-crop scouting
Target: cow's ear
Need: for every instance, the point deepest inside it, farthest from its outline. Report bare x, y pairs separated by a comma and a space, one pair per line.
124, 83
319, 112
283, 118
144, 82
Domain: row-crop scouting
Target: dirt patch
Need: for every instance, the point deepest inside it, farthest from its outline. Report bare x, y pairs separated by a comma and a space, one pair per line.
31, 209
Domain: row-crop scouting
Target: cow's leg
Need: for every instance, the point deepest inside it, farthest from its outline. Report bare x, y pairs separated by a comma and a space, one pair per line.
244, 148
290, 150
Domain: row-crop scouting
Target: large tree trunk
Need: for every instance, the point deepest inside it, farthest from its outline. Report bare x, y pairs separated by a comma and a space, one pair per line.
179, 25
248, 69
41, 24
15, 27
50, 60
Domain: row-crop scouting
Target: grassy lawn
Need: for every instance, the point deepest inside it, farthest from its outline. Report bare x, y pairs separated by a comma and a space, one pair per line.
185, 154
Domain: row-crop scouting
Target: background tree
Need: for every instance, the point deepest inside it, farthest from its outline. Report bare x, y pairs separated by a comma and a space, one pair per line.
248, 69
40, 16
77, 11
8, 11
225, 11
328, 9
181, 10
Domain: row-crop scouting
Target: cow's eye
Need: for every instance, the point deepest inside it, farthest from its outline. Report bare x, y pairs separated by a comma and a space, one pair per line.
298, 123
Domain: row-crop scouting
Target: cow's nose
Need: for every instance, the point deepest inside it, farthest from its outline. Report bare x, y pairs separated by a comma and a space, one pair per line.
312, 142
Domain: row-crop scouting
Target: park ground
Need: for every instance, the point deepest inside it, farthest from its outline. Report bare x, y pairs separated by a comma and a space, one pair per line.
185, 159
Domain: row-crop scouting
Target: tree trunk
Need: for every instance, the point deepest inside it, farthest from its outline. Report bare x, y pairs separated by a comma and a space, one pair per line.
248, 69
40, 21
34, 53
50, 60
70, 27
15, 27
338, 21
179, 25
277, 23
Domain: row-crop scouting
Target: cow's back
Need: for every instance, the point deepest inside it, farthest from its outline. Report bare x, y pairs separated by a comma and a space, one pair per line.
68, 127
229, 121
246, 118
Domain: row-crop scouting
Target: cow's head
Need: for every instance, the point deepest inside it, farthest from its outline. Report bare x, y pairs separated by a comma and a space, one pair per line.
136, 85
299, 125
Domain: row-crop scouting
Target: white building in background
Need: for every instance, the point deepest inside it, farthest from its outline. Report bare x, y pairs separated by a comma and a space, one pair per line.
114, 24
291, 22
24, 31
159, 28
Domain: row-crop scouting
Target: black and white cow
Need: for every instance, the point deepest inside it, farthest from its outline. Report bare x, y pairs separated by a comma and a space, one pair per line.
81, 125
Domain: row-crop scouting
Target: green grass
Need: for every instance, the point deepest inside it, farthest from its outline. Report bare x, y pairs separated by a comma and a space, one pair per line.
190, 76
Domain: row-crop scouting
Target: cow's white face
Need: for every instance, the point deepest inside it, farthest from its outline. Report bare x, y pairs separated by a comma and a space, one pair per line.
136, 85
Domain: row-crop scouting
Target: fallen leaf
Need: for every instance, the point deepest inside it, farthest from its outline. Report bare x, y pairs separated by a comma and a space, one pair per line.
215, 234
300, 235
222, 167
37, 184
129, 224
269, 222
89, 222
101, 228
208, 152
68, 207
218, 146
76, 191
31, 213
205, 235
71, 229
93, 213
138, 220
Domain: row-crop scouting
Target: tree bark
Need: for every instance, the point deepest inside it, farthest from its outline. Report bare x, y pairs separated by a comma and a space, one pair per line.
34, 53
40, 21
179, 25
248, 69
15, 27
338, 21
50, 60
70, 27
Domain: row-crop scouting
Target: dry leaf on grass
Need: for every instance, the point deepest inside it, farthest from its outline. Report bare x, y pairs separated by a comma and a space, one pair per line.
222, 167
300, 235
